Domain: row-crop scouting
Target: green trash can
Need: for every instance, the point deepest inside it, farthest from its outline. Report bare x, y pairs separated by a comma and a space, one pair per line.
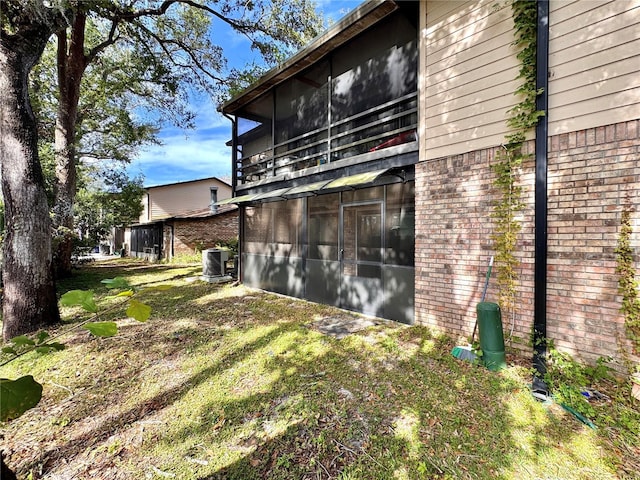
491, 336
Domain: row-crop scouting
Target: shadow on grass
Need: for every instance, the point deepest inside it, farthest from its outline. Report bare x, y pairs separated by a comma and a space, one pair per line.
90, 276
266, 397
364, 418
105, 424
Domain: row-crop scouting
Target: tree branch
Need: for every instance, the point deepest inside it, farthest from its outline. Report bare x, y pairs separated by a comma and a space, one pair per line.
162, 42
242, 27
111, 39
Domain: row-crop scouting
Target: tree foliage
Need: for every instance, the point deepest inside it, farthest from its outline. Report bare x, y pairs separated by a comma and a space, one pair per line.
627, 284
107, 127
118, 59
114, 200
149, 57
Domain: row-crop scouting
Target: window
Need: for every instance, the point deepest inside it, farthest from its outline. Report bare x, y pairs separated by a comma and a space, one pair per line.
273, 229
323, 226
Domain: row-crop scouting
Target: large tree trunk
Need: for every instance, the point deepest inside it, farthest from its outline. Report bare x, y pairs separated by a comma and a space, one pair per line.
29, 291
72, 63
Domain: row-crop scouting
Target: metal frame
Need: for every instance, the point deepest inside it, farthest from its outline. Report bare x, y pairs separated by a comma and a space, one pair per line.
381, 206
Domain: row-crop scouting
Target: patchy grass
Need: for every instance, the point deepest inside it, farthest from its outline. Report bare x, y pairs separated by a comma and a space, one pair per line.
229, 383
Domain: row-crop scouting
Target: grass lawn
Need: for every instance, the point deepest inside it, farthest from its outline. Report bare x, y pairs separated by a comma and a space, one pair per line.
227, 382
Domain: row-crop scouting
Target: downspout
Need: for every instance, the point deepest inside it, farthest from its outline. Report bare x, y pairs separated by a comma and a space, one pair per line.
172, 252
234, 152
234, 185
541, 144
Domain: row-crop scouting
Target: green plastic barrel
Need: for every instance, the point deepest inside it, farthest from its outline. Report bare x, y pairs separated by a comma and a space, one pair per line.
491, 337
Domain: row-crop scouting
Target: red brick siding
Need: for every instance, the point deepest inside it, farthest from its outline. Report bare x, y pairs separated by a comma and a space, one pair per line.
590, 174
191, 234
454, 201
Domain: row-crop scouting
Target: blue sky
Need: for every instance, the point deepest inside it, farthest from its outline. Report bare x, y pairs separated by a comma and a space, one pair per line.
200, 153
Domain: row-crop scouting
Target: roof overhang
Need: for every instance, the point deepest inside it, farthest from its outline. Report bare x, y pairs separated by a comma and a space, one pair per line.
315, 188
363, 17
240, 199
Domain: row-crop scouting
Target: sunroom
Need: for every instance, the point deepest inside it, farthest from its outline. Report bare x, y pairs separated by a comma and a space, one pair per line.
324, 149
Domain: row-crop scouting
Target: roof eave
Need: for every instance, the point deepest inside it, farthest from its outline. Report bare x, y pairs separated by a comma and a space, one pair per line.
360, 19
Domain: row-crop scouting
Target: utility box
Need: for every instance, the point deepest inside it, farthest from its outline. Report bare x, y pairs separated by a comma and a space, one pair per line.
213, 265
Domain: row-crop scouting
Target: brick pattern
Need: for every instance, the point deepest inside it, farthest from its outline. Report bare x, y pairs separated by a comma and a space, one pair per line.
454, 202
591, 172
194, 233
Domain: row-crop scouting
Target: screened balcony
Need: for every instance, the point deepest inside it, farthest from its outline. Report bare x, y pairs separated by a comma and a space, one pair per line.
359, 98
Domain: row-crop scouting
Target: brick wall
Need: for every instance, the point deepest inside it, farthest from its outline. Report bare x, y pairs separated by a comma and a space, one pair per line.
590, 174
194, 233
454, 199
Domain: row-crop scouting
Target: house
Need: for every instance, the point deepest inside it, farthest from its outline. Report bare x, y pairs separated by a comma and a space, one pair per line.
183, 218
362, 167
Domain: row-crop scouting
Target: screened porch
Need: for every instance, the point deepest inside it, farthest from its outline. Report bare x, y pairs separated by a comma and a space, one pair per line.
353, 249
361, 98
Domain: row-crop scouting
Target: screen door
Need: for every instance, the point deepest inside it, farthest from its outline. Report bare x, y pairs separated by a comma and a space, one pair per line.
361, 257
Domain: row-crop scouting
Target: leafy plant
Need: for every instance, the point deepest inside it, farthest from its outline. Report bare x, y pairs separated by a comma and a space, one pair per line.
568, 378
231, 245
522, 118
627, 283
475, 348
23, 344
18, 396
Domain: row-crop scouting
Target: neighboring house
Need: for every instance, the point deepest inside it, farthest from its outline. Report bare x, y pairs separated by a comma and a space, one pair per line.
363, 167
183, 218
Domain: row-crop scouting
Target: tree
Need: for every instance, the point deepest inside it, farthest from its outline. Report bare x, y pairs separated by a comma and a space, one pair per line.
171, 36
106, 130
29, 290
169, 53
116, 201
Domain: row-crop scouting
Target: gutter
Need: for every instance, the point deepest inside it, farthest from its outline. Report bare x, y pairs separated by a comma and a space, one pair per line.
539, 387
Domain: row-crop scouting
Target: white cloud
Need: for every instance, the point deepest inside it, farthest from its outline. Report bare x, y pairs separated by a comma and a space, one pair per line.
334, 10
189, 156
208, 115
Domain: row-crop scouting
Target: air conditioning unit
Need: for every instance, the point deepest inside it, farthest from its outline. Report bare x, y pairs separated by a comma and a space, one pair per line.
213, 264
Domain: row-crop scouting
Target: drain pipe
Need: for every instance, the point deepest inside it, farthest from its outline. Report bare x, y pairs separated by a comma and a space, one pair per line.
234, 151
234, 185
539, 387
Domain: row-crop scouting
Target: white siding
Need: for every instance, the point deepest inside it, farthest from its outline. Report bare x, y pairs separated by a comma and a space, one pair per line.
594, 63
470, 76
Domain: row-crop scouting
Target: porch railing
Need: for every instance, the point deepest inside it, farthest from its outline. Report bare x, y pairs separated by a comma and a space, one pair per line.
391, 123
